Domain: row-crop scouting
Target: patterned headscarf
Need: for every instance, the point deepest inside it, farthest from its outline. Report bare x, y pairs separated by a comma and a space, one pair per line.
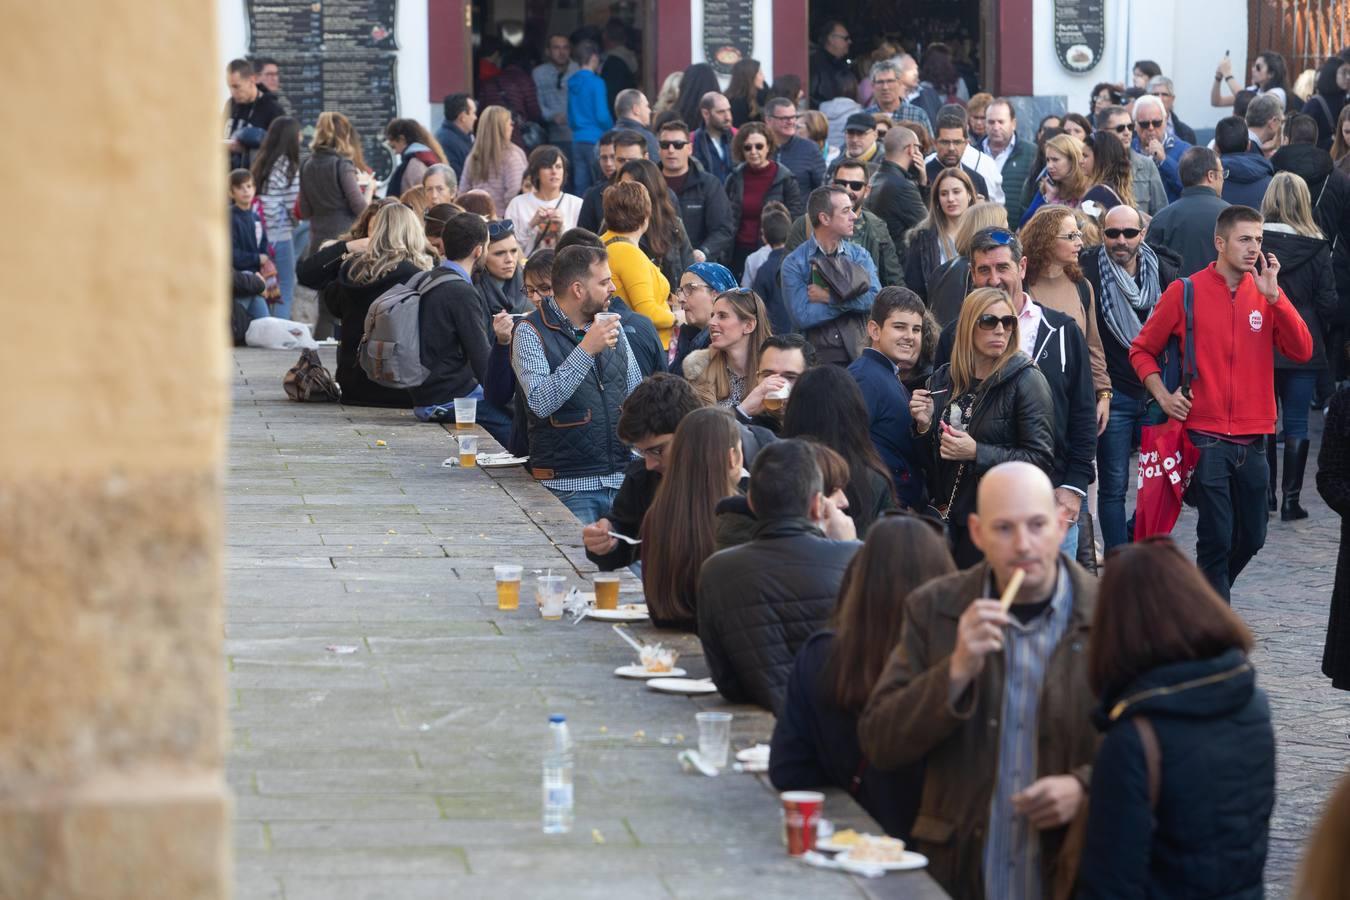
716, 276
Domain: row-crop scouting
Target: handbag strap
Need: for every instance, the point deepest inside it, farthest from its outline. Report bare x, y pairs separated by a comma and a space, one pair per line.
1152, 758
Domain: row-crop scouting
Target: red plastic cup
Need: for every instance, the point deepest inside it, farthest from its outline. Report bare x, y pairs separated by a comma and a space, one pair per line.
801, 814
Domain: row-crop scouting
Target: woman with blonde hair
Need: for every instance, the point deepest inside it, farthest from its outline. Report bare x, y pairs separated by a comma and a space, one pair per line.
415, 198
1307, 279
334, 183
930, 243
1107, 163
669, 93
726, 372
494, 165
397, 251
989, 405
679, 530
1064, 181
948, 286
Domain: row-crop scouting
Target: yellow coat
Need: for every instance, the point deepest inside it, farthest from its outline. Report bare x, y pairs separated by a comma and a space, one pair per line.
641, 284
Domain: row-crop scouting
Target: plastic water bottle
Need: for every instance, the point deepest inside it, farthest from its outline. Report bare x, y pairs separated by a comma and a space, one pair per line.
558, 777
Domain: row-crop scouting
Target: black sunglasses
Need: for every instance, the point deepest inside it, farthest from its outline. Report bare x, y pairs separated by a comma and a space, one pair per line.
851, 185
1123, 129
676, 145
1114, 233
989, 322
1153, 123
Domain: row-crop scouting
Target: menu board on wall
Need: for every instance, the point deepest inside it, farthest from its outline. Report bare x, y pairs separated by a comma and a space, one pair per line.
337, 55
728, 32
1080, 33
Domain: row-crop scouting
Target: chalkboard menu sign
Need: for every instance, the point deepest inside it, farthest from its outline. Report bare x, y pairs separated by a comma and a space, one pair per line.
1080, 33
337, 55
728, 32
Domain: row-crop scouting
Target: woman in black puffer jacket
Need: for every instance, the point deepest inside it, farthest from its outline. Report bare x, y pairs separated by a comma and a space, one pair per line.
1184, 780
1307, 279
989, 405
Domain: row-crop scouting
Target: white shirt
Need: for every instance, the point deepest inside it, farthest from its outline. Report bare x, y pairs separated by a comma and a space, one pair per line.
1002, 157
984, 164
752, 264
522, 208
1028, 324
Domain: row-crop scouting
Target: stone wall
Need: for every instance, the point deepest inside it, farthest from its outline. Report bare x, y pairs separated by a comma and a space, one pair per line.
112, 418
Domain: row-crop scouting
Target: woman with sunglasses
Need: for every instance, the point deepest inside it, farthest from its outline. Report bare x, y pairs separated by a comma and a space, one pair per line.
987, 406
932, 242
1269, 75
726, 373
755, 181
679, 531
815, 741
1184, 780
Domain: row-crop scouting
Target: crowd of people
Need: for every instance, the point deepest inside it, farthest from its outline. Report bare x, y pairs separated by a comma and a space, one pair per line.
837, 388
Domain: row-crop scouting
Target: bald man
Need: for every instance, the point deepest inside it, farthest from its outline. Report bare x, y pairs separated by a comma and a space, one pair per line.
996, 705
1127, 277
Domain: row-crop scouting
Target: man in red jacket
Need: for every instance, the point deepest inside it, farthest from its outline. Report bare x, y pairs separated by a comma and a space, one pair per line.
1241, 316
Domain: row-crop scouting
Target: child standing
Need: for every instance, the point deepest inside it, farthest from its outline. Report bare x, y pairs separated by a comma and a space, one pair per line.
248, 240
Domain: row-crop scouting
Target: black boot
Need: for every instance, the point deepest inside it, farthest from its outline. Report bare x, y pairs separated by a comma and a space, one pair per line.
1271, 457
1295, 461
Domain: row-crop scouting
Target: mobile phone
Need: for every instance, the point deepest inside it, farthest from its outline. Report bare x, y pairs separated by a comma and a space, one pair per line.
1260, 262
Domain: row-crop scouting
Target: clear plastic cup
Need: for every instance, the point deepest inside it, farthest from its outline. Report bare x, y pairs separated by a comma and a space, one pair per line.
466, 412
508, 586
468, 450
776, 400
606, 590
549, 591
714, 737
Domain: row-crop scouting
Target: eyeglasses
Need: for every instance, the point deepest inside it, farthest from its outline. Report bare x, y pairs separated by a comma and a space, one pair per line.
1071, 236
1123, 128
688, 290
532, 291
653, 453
989, 322
1130, 233
1151, 123
673, 145
856, 186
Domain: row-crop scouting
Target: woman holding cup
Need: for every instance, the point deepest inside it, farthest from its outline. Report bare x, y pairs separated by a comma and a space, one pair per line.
989, 405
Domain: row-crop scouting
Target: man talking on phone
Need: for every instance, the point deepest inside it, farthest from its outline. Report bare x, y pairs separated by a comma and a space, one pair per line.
1240, 318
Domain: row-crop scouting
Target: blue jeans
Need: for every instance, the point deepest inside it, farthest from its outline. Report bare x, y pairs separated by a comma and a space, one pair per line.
284, 253
583, 166
1070, 546
1229, 490
588, 506
1114, 448
495, 420
1295, 389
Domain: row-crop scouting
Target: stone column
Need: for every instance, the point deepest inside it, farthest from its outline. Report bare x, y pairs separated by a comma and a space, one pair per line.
112, 417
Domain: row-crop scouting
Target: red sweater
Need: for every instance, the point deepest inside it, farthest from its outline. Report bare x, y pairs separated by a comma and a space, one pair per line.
1233, 391
757, 184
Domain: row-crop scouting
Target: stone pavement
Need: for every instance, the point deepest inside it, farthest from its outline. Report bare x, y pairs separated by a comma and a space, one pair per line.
410, 767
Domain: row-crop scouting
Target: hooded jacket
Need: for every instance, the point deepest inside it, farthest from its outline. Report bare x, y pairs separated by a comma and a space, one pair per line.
1208, 835
1306, 279
349, 302
412, 165
1330, 190
1245, 178
1236, 336
758, 604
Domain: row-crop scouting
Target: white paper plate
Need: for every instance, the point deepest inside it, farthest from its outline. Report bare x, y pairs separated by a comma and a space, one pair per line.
500, 460
683, 685
910, 860
627, 612
637, 671
758, 755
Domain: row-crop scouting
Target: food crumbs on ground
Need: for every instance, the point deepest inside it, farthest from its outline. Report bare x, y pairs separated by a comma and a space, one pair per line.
380, 444
597, 836
679, 739
604, 729
639, 734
